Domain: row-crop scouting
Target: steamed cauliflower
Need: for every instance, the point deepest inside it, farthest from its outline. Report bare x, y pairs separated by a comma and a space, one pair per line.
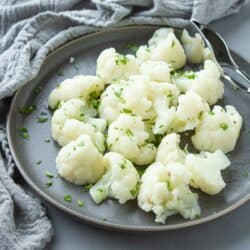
121, 180
156, 70
169, 150
218, 129
206, 83
69, 121
205, 170
114, 66
164, 96
164, 191
80, 162
127, 136
190, 110
82, 86
193, 46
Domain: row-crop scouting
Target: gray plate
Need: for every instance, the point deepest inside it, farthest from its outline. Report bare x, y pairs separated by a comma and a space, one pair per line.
110, 213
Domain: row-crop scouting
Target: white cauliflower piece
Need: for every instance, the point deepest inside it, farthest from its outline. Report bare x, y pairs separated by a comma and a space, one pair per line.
113, 66
193, 46
206, 83
127, 136
143, 54
156, 71
169, 150
69, 121
111, 102
82, 86
121, 180
130, 97
163, 96
80, 162
164, 46
164, 191
190, 110
218, 129
205, 169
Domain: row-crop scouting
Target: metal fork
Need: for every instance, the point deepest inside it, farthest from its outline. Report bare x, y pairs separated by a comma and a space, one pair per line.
222, 53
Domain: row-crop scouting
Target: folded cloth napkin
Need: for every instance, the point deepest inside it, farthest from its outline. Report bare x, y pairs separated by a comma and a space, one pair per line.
29, 31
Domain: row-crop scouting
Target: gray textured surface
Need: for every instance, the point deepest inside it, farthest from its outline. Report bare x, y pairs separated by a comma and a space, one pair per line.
231, 232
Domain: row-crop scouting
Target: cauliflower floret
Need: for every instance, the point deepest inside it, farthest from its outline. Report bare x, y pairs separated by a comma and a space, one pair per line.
206, 83
156, 71
113, 66
193, 46
169, 150
69, 121
111, 102
121, 180
164, 190
163, 95
218, 129
129, 97
190, 110
82, 86
143, 54
164, 46
127, 136
205, 169
80, 162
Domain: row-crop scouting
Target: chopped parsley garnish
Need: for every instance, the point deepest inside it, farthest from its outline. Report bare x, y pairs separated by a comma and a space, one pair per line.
95, 103
49, 183
211, 113
119, 95
129, 132
161, 126
123, 164
224, 126
169, 187
127, 111
173, 43
87, 187
27, 109
133, 47
37, 90
38, 162
100, 190
67, 198
60, 73
80, 203
245, 174
133, 192
24, 133
81, 144
200, 115
49, 174
42, 119
47, 140
120, 59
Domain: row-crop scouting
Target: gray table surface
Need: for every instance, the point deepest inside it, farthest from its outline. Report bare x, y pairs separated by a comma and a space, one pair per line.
229, 232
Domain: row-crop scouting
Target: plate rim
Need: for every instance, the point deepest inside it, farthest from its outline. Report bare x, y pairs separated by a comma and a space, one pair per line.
90, 219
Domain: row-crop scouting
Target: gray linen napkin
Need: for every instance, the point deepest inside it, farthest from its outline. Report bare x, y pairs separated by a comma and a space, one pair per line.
31, 29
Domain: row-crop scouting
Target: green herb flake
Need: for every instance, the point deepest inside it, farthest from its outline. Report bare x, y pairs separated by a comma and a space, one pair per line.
119, 96
120, 59
49, 174
80, 203
127, 111
87, 187
173, 43
38, 162
67, 198
42, 119
60, 72
95, 103
169, 186
200, 115
81, 144
211, 113
129, 132
224, 126
133, 47
49, 183
245, 174
26, 110
47, 140
24, 133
